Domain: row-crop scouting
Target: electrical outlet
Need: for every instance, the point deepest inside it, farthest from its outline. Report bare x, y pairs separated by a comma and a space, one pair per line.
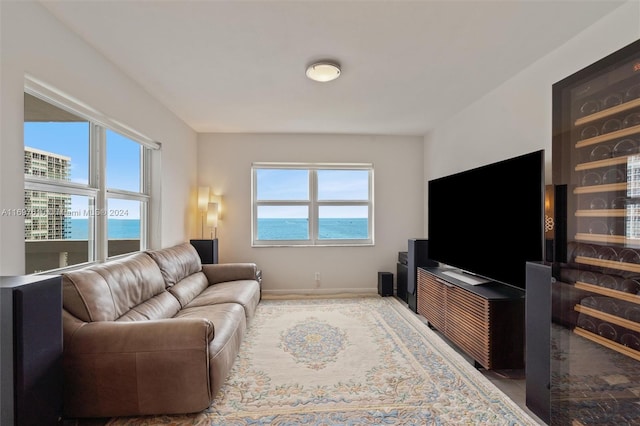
317, 278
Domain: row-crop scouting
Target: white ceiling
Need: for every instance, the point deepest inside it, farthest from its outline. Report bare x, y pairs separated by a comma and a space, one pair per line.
239, 66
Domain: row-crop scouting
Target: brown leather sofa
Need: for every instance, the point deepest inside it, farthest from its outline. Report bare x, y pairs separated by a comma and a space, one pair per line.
154, 333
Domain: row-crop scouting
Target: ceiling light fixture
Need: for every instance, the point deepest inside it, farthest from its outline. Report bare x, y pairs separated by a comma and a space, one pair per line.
323, 71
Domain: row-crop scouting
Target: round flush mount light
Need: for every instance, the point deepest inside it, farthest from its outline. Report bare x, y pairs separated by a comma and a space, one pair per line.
323, 71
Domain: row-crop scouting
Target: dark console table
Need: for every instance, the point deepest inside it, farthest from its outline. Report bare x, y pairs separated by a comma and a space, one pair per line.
486, 321
207, 250
31, 350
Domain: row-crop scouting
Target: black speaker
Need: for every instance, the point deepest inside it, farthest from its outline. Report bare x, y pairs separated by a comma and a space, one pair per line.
401, 281
207, 250
32, 311
385, 283
38, 350
538, 337
418, 256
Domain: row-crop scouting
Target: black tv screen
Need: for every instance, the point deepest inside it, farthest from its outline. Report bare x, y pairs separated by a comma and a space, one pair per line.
489, 221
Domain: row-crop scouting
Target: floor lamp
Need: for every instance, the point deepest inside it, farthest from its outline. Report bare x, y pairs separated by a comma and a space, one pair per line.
212, 219
209, 212
203, 204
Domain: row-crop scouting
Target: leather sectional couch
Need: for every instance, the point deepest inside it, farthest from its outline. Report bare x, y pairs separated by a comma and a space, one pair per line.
153, 333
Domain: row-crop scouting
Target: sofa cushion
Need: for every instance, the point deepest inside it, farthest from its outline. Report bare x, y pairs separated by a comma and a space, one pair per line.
163, 305
229, 324
188, 288
228, 320
177, 262
243, 292
105, 292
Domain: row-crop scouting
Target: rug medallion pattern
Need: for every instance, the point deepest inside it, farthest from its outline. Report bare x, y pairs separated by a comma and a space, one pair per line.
313, 342
351, 361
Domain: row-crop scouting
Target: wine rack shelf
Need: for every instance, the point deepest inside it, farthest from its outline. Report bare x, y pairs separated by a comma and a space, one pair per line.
611, 264
622, 322
633, 298
608, 136
608, 343
608, 162
602, 213
618, 109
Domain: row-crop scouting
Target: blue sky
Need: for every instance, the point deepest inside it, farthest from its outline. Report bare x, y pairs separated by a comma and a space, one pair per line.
72, 140
292, 184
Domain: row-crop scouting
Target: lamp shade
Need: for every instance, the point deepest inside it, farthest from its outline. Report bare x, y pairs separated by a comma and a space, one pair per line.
203, 197
218, 200
212, 215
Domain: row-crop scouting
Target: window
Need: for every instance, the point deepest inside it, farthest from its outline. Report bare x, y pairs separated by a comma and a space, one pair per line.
87, 189
126, 199
312, 204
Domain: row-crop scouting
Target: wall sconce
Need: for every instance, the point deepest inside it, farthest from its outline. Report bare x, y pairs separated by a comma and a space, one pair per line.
212, 219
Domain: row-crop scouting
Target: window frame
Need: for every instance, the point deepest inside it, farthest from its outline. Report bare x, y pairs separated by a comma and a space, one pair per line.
96, 188
313, 204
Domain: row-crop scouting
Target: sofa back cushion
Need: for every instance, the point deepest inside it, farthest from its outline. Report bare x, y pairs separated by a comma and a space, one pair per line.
177, 262
108, 291
182, 271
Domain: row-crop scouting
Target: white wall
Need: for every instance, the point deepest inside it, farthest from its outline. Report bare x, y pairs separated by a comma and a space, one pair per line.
224, 164
33, 42
515, 118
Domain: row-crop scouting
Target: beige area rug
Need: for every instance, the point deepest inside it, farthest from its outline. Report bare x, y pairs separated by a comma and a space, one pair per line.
348, 361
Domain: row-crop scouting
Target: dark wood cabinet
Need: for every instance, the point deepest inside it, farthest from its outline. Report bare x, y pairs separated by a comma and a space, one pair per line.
485, 321
31, 355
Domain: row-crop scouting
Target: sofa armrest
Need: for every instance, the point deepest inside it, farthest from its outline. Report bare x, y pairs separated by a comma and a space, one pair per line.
141, 336
221, 272
140, 367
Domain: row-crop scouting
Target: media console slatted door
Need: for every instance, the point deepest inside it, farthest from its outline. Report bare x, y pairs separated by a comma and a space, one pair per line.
486, 322
432, 300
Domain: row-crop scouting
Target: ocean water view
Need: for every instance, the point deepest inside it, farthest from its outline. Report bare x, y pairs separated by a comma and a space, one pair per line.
116, 229
298, 229
268, 229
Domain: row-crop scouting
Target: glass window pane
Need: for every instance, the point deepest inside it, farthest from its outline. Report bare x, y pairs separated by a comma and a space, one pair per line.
276, 185
123, 163
123, 226
343, 185
343, 222
56, 143
57, 228
283, 223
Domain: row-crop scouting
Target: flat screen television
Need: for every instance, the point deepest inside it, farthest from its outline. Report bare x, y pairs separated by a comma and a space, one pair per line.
489, 221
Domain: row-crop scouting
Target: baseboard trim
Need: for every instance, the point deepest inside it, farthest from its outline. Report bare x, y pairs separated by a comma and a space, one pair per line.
319, 292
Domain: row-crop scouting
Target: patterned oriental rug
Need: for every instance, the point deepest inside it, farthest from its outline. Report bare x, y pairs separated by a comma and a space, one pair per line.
348, 361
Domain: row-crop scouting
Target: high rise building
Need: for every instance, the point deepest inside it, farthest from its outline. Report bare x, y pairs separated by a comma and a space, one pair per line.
46, 215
